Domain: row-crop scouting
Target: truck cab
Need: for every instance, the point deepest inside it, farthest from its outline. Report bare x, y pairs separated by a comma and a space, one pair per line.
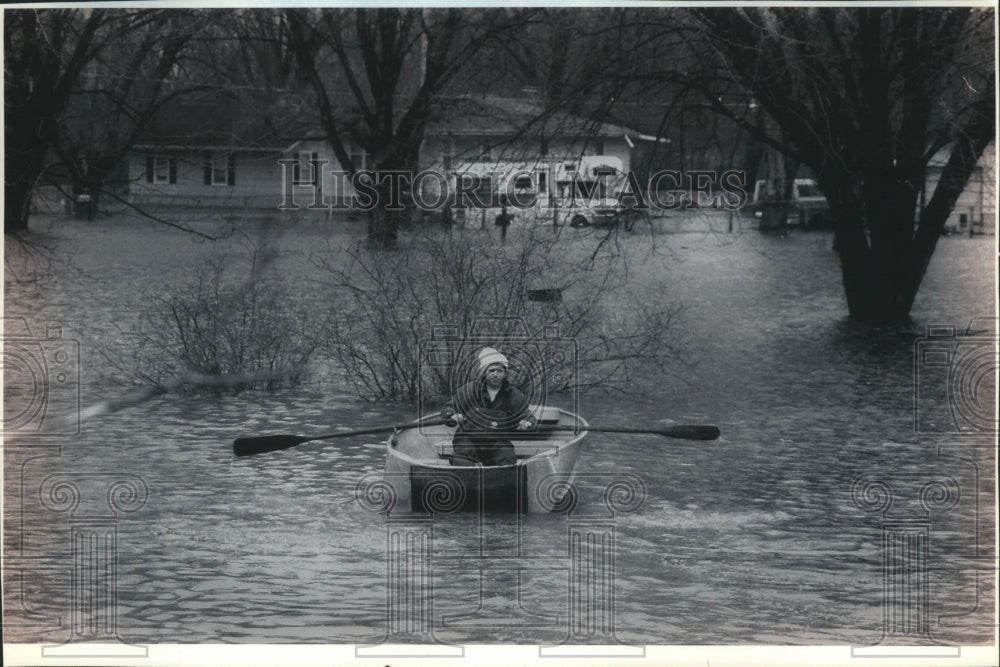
807, 207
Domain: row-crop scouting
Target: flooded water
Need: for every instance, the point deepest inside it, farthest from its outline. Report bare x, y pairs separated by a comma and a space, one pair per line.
780, 532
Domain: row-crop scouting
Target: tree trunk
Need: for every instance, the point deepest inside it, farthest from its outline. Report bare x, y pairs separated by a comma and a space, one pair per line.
22, 170
16, 207
382, 228
883, 269
878, 289
773, 214
877, 258
390, 211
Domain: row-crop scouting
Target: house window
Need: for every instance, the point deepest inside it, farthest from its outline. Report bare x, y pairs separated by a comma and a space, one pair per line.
484, 188
474, 190
543, 182
359, 158
161, 168
447, 153
486, 154
306, 163
220, 168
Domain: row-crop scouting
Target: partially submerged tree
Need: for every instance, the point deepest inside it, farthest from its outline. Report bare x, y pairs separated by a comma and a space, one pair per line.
79, 85
376, 73
44, 56
866, 98
575, 65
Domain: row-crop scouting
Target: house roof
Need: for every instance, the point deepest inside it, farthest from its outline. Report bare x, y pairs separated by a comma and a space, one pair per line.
940, 159
493, 115
221, 120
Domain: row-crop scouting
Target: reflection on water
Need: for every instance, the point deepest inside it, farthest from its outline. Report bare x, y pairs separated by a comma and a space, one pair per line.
764, 536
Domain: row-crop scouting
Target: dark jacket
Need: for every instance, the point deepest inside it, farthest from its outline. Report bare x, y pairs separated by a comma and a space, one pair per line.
483, 416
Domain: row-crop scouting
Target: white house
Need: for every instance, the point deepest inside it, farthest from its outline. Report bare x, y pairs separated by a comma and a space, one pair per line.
220, 154
975, 211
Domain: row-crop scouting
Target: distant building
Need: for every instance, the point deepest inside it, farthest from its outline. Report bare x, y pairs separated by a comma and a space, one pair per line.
214, 151
219, 153
975, 211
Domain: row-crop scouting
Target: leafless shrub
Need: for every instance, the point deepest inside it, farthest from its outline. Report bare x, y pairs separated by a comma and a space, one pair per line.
233, 320
387, 304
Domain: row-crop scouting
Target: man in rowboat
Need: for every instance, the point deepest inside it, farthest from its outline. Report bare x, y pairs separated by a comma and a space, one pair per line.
485, 409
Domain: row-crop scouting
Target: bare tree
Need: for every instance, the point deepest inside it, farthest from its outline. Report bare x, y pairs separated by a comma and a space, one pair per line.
44, 55
640, 68
79, 85
376, 73
866, 98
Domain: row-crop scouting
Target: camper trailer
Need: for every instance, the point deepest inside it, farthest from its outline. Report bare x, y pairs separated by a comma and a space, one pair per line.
580, 191
587, 191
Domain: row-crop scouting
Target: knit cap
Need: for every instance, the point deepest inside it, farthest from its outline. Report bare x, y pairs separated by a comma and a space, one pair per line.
488, 356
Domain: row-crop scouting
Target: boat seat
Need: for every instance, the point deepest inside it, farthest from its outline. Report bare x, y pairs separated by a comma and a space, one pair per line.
546, 416
522, 448
443, 448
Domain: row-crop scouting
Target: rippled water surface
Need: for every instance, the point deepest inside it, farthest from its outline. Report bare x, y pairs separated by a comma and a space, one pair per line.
771, 535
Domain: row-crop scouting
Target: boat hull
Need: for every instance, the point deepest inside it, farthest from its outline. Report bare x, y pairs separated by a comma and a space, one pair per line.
424, 480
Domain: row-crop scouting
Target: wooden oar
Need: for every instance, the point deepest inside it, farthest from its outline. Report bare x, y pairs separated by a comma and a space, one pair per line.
273, 443
681, 431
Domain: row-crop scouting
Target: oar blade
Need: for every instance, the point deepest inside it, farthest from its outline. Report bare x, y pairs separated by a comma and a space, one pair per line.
691, 432
265, 443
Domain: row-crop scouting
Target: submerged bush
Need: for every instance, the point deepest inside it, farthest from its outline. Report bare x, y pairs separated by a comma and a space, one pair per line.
388, 305
231, 327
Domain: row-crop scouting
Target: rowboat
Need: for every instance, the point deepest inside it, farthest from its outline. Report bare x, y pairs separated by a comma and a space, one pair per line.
420, 471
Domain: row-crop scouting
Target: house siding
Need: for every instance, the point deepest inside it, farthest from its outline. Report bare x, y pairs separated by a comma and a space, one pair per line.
255, 177
263, 181
975, 209
445, 155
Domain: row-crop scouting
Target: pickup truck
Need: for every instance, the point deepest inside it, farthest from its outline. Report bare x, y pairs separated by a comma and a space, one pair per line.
807, 207
604, 212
